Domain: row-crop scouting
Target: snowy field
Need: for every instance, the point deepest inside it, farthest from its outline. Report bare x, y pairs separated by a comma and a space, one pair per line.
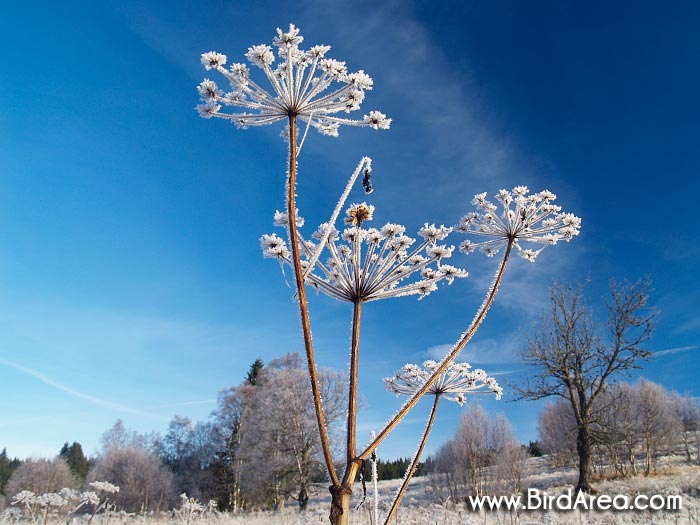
421, 508
426, 503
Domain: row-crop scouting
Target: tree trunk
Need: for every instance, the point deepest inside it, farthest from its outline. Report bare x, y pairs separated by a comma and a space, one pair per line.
583, 447
303, 499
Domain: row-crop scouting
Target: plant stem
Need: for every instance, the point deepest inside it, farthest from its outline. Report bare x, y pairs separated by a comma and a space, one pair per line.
414, 464
352, 393
340, 504
303, 305
466, 337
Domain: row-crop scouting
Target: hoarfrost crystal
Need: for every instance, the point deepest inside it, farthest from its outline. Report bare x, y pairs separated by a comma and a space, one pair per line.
533, 219
370, 264
453, 384
105, 486
301, 86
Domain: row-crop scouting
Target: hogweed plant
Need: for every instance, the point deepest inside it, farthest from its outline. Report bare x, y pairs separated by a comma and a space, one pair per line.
360, 264
44, 505
190, 508
454, 384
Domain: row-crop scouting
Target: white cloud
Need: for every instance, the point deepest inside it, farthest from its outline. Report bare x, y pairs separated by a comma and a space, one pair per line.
482, 351
671, 351
116, 407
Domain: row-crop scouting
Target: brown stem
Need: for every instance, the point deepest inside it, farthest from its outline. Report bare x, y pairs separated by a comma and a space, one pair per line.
414, 465
352, 395
446, 362
303, 305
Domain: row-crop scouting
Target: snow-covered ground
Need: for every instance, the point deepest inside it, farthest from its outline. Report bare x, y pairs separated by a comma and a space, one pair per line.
423, 505
420, 505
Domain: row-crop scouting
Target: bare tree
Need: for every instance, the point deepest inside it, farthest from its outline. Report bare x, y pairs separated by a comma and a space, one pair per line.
687, 410
574, 359
280, 446
616, 428
145, 483
177, 442
472, 447
41, 476
557, 431
510, 458
657, 424
482, 457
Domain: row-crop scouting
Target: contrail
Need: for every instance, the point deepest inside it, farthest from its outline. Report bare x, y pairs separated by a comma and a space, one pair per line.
76, 393
678, 350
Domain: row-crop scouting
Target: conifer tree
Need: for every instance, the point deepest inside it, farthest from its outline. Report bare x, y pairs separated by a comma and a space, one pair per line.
7, 467
74, 456
254, 372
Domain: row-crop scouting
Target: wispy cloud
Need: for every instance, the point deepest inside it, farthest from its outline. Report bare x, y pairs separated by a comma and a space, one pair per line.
483, 351
671, 351
116, 407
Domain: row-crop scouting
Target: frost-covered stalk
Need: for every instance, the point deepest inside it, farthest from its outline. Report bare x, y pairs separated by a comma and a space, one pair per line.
526, 218
442, 367
455, 384
342, 493
28, 499
354, 373
305, 87
412, 468
375, 480
303, 305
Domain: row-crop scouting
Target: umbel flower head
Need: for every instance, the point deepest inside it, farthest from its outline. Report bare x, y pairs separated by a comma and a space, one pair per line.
453, 384
304, 83
524, 219
366, 264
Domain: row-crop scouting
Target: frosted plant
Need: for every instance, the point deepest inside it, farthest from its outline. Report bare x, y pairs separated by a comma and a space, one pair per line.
304, 84
12, 515
105, 486
27, 499
189, 507
93, 499
70, 495
524, 219
301, 90
367, 264
51, 499
25, 496
454, 384
50, 502
534, 217
364, 264
89, 498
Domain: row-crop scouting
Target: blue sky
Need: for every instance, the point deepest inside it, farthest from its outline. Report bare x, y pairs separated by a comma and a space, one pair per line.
131, 281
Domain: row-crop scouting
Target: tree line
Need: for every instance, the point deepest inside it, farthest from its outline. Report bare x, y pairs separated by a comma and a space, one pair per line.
632, 426
259, 449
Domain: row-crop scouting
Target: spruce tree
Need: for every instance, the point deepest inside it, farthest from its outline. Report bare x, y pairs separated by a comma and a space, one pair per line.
7, 467
254, 372
77, 462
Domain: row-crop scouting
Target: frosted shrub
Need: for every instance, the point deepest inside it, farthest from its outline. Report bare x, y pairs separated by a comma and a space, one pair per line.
66, 503
359, 264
